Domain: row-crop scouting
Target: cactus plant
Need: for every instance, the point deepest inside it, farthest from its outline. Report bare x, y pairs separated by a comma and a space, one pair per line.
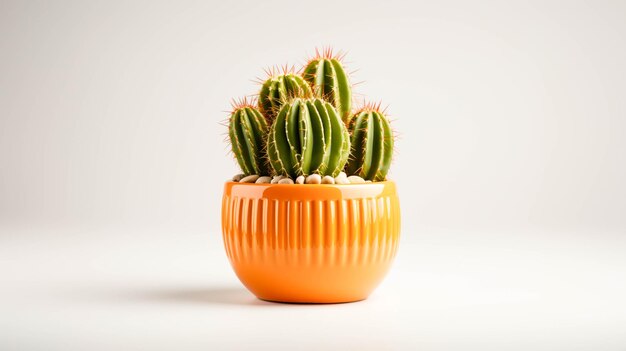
279, 89
329, 81
302, 125
372, 144
308, 137
247, 130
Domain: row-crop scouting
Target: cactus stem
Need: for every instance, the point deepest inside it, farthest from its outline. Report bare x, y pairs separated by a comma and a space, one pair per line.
372, 143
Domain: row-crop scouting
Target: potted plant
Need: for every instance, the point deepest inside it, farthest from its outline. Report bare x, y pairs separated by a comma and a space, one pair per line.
312, 218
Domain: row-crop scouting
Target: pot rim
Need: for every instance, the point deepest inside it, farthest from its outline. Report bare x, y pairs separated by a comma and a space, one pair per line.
302, 192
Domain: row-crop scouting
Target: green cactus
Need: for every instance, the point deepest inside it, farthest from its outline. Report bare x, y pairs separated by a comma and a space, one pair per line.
308, 137
372, 144
247, 130
330, 82
279, 89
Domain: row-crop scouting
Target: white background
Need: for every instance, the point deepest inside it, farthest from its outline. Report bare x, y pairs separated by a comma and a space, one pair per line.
511, 121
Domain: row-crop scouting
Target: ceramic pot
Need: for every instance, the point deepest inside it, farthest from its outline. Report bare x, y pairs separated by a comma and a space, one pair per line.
320, 243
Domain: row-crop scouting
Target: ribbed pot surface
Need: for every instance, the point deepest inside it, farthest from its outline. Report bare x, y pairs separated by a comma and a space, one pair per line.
311, 243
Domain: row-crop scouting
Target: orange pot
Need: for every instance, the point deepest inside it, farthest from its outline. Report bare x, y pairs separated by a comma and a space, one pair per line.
311, 243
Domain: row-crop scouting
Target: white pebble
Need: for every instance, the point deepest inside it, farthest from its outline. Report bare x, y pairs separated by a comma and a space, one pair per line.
356, 179
249, 179
237, 177
328, 180
341, 178
264, 180
368, 181
300, 180
276, 179
285, 181
313, 179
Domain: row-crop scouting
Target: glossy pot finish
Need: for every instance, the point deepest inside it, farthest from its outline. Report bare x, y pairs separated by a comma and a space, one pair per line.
311, 243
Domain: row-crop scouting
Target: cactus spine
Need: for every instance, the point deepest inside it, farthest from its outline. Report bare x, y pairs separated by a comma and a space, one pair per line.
308, 137
330, 82
279, 89
372, 145
247, 130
